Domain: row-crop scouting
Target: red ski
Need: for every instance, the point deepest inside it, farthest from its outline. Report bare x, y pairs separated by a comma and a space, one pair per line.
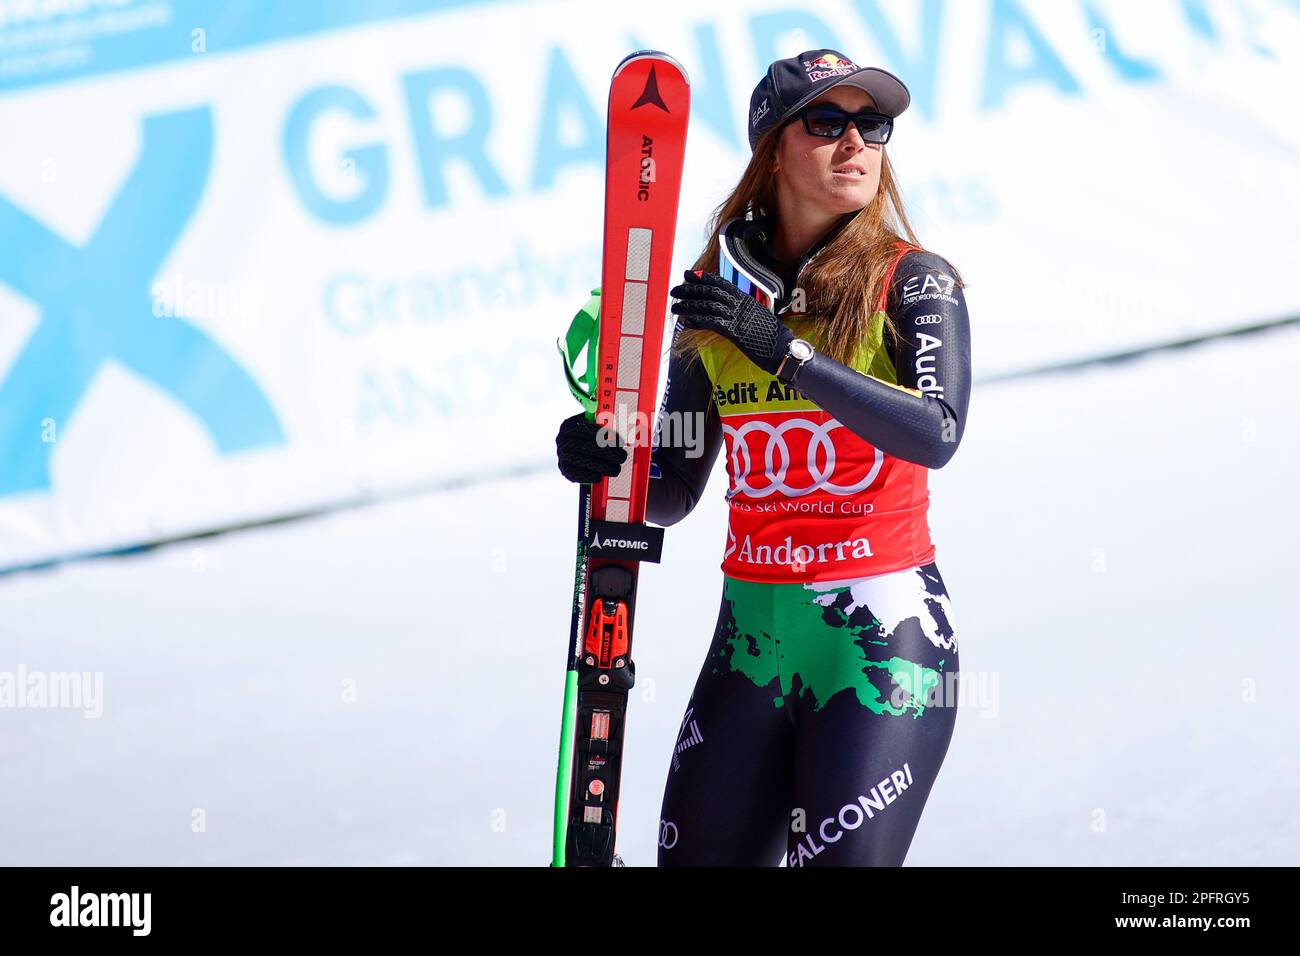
649, 105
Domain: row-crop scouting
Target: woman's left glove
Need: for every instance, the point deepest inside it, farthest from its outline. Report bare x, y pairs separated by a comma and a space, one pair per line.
711, 302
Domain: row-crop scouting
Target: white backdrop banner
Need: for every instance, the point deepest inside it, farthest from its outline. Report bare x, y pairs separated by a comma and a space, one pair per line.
260, 258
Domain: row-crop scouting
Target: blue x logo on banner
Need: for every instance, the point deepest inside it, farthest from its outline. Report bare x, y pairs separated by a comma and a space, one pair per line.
96, 305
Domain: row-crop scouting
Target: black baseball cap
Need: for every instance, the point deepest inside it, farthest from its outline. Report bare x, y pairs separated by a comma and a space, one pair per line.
793, 83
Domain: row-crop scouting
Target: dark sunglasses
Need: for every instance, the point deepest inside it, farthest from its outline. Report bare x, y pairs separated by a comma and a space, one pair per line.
830, 122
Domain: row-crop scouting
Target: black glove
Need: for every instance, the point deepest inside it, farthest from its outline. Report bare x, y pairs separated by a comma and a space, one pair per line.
711, 302
582, 458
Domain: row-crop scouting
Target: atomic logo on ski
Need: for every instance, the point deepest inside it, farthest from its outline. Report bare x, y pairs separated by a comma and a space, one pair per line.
650, 95
617, 543
637, 541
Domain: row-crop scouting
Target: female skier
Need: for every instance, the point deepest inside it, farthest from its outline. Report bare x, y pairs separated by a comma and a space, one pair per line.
827, 699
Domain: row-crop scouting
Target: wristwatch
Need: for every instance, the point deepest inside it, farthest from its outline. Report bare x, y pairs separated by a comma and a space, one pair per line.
797, 354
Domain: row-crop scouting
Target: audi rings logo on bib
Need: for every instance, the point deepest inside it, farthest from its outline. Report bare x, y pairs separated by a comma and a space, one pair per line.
811, 500
797, 457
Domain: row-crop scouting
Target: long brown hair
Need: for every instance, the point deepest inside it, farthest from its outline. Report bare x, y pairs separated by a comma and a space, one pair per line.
844, 281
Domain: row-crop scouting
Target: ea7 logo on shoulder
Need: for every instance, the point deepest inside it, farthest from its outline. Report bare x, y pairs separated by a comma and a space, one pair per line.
931, 285
102, 909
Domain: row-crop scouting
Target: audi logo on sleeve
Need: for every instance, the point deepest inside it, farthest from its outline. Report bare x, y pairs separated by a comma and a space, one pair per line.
667, 834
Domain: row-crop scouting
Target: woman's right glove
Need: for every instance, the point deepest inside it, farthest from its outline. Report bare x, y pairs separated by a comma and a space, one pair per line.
582, 458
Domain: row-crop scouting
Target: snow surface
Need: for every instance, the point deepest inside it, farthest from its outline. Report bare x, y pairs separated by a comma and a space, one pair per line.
1116, 542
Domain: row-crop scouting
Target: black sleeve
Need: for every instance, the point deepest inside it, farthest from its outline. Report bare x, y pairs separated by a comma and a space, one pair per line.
929, 309
687, 437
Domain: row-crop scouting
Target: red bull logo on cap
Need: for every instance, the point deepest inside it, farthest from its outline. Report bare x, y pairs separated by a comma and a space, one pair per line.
828, 64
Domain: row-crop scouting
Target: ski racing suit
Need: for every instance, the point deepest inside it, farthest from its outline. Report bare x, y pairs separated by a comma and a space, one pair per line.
827, 697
